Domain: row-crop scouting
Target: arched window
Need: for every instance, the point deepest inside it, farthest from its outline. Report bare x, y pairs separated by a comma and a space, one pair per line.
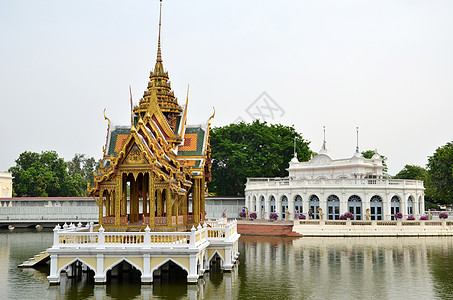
298, 204
284, 200
410, 206
355, 206
394, 206
273, 207
333, 207
314, 204
376, 207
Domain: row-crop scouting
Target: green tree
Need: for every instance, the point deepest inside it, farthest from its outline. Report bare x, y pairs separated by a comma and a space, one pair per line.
412, 172
439, 183
45, 174
38, 174
370, 153
251, 150
83, 166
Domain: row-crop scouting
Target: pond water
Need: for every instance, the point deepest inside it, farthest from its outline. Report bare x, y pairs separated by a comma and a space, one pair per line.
268, 268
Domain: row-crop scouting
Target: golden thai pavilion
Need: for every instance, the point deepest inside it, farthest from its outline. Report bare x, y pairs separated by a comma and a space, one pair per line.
154, 171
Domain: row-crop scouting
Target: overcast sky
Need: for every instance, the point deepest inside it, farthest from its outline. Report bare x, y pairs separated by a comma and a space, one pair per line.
384, 66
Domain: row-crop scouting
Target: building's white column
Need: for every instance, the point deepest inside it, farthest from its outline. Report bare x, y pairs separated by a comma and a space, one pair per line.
404, 205
257, 206
386, 206
305, 203
365, 204
291, 209
267, 208
323, 205
278, 204
343, 203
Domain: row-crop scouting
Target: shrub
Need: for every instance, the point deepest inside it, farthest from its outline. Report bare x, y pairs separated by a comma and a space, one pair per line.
273, 216
398, 216
349, 215
424, 218
302, 217
410, 218
253, 215
443, 215
242, 214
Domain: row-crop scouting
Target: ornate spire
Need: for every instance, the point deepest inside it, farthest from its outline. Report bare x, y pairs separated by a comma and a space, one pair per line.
159, 52
324, 144
160, 84
357, 147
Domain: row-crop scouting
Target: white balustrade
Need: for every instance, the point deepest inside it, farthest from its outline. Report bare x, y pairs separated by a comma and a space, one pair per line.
70, 236
262, 182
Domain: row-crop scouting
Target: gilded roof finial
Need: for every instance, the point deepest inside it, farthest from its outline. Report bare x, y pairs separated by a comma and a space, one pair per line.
159, 54
213, 115
132, 108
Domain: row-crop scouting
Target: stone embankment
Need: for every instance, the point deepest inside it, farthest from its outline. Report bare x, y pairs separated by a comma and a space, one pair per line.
265, 227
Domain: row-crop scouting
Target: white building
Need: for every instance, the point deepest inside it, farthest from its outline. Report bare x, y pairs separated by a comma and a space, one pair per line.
336, 186
6, 185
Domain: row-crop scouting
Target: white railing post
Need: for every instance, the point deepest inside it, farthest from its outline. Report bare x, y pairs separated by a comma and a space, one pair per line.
192, 237
55, 235
101, 239
227, 232
147, 240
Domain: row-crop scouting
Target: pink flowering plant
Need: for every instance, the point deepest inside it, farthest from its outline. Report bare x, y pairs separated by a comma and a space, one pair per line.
424, 218
242, 214
302, 217
443, 215
410, 218
398, 216
252, 215
273, 216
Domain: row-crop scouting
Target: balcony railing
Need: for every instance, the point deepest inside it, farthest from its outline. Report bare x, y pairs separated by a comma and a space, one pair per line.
275, 182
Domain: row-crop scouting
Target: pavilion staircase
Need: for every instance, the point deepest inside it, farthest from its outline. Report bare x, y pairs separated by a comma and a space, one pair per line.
42, 257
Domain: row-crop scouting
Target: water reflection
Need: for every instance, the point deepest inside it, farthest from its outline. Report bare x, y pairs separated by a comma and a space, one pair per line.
362, 268
269, 268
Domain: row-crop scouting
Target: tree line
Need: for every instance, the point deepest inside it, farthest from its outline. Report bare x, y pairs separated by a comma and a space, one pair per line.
239, 151
46, 174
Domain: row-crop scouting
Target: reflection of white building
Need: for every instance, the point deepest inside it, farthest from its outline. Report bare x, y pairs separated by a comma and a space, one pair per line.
6, 185
336, 186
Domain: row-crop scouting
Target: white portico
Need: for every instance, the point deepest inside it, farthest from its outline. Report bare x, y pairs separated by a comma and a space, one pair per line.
335, 186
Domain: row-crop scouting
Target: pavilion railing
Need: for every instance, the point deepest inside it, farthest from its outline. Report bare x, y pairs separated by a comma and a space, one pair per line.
84, 237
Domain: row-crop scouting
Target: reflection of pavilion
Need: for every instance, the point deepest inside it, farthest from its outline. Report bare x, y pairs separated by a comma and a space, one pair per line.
150, 191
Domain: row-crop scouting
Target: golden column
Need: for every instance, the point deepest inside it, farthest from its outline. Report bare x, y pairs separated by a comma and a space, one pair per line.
168, 203
152, 196
119, 192
196, 200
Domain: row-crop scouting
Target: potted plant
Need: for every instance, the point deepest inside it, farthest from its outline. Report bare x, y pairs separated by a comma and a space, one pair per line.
343, 217
424, 218
242, 214
252, 216
410, 218
273, 216
443, 215
398, 216
301, 217
349, 215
